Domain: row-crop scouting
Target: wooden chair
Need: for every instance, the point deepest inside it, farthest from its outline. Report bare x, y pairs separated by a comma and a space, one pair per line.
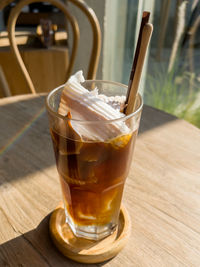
96, 46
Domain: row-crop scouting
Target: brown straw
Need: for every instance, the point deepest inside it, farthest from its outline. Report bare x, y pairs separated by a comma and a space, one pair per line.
141, 48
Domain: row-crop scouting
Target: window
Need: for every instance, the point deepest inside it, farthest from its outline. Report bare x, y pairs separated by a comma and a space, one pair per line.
171, 75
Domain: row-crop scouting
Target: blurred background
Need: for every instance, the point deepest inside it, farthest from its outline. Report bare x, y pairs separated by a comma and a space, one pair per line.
171, 75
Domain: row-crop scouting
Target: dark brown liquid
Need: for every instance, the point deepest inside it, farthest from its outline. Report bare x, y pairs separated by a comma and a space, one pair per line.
92, 176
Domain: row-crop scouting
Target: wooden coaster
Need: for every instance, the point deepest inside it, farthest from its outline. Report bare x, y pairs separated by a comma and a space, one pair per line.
84, 250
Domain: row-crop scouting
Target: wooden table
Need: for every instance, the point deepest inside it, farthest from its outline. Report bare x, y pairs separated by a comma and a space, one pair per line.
162, 193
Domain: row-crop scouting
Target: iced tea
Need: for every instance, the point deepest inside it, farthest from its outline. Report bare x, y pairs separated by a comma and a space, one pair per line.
92, 176
93, 146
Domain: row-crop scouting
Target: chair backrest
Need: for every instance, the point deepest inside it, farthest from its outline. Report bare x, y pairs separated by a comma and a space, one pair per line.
96, 46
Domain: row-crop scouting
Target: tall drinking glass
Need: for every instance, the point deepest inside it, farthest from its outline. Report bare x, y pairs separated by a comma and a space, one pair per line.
93, 172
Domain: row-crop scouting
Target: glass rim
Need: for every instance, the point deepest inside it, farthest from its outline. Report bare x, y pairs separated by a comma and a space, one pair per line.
56, 114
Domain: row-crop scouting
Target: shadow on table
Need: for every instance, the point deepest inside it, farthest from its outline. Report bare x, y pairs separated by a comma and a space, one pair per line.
35, 248
25, 143
152, 118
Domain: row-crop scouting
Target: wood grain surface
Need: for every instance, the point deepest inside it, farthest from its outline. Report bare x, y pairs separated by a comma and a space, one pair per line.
84, 250
162, 192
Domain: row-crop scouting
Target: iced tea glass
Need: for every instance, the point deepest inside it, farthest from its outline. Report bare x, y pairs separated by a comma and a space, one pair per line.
93, 172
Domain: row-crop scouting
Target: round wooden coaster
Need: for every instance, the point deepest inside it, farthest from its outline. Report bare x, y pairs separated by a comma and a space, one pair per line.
84, 250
